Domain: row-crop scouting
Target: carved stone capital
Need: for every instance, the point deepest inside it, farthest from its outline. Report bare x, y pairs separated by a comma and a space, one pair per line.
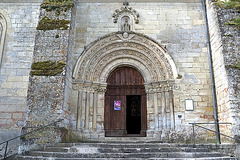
91, 89
102, 90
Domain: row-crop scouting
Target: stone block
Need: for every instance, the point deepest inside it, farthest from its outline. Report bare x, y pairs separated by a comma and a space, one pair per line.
17, 115
198, 22
6, 122
7, 85
3, 92
4, 115
187, 65
15, 78
197, 98
12, 107
22, 92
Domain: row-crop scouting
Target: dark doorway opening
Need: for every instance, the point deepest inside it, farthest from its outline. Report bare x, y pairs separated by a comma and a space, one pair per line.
133, 118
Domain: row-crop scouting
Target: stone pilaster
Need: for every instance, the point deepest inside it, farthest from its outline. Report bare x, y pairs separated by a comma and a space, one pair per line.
47, 94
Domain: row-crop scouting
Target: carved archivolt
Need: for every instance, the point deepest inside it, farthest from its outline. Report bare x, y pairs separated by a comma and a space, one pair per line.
137, 50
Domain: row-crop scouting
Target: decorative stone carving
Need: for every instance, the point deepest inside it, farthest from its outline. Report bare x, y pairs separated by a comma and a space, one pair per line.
139, 51
126, 10
126, 27
102, 90
130, 54
125, 35
75, 87
136, 50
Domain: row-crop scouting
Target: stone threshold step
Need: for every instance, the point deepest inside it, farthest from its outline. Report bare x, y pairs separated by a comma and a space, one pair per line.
124, 144
145, 143
55, 158
126, 155
124, 149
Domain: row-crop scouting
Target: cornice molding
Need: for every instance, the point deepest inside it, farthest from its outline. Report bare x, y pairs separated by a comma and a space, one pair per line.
139, 1
21, 1
107, 1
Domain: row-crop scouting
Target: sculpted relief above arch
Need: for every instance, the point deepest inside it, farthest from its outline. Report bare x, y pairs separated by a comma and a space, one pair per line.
136, 50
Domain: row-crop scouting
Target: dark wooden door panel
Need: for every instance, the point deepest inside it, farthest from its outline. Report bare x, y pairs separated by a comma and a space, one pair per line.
122, 82
125, 76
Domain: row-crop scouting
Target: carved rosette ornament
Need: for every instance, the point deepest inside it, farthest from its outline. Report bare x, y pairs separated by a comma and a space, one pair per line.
125, 10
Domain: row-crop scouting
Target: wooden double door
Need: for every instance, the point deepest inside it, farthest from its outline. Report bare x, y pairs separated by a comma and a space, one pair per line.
125, 111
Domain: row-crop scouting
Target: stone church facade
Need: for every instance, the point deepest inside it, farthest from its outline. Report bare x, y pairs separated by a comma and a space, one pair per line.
106, 57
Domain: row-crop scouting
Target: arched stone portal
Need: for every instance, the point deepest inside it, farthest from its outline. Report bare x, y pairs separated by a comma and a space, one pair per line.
116, 50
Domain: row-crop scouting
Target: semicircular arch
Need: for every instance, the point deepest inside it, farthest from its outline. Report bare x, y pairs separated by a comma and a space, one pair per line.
139, 51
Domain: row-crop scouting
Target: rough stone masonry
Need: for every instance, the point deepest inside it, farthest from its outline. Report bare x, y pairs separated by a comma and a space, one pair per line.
55, 63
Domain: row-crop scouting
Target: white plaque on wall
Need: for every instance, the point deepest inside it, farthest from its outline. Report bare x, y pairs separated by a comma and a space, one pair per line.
189, 104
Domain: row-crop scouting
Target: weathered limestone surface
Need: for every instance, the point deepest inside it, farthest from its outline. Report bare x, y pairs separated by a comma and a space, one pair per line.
225, 43
176, 26
19, 22
180, 28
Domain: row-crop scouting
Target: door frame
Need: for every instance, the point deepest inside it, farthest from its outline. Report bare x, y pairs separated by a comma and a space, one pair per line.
138, 89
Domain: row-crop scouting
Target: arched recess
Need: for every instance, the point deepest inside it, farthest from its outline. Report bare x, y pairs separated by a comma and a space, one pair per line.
3, 29
136, 48
116, 50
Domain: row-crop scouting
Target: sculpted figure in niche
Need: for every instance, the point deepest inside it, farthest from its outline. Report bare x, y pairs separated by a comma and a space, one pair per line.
126, 27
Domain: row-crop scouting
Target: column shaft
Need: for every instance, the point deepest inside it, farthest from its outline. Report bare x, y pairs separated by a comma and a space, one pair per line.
164, 116
83, 118
87, 111
95, 110
79, 107
155, 111
171, 109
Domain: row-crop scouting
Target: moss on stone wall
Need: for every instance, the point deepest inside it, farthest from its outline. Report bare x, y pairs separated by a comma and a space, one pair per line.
61, 5
52, 24
231, 4
235, 22
237, 66
47, 68
55, 24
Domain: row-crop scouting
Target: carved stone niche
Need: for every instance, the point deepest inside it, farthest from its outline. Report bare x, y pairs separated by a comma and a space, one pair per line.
125, 24
126, 16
